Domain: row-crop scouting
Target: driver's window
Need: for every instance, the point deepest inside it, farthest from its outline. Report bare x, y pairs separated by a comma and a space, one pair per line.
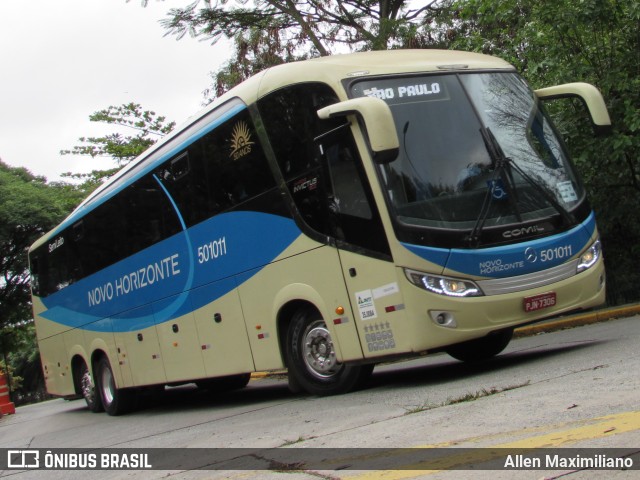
321, 166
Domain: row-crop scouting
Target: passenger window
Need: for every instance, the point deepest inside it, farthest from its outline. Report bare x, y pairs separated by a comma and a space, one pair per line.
218, 172
138, 217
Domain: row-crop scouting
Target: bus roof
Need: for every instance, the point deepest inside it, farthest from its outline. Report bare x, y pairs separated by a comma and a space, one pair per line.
331, 70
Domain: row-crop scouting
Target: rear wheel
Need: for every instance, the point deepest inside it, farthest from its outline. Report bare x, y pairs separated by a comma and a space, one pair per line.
116, 401
312, 361
481, 348
88, 389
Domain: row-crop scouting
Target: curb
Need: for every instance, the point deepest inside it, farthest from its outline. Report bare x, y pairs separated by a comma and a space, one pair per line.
563, 323
577, 320
268, 374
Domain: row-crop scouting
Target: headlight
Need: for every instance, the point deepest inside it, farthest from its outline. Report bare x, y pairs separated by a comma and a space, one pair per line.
589, 258
452, 287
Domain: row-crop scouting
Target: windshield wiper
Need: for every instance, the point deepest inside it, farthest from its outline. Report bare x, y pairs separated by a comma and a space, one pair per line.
549, 196
503, 166
499, 163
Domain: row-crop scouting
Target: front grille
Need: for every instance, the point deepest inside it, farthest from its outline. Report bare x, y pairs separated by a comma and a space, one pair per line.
498, 286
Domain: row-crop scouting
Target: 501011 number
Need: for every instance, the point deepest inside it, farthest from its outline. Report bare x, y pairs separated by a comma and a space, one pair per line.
212, 250
556, 253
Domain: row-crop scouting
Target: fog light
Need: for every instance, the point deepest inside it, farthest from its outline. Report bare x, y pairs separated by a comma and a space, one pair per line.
443, 319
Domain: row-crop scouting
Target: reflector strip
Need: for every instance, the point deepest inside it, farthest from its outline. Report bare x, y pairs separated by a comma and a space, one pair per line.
394, 308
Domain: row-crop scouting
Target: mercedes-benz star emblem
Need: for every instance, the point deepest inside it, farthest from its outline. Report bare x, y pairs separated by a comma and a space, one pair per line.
530, 255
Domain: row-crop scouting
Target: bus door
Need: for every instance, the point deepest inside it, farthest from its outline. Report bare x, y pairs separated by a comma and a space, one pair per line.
367, 267
324, 174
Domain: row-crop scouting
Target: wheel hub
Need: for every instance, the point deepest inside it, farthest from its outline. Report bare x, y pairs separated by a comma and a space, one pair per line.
319, 355
86, 384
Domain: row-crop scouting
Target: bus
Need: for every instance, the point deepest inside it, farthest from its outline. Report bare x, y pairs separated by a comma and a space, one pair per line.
321, 217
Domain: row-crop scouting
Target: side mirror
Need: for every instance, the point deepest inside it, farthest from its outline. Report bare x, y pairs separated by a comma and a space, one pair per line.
378, 121
590, 96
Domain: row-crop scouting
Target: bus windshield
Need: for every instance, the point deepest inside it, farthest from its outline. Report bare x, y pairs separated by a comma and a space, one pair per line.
476, 150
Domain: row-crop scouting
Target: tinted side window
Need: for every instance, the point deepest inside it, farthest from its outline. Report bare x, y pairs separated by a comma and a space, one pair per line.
218, 172
134, 219
51, 268
292, 124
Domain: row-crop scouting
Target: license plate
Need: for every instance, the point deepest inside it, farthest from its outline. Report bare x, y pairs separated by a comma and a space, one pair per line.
539, 302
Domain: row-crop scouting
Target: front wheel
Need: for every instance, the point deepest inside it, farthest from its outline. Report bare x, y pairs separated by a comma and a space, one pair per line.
116, 401
311, 358
481, 349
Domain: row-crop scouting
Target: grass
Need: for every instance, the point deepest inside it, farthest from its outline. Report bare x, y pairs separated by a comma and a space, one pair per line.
467, 397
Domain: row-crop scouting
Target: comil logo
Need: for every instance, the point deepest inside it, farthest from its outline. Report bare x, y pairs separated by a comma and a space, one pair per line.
518, 232
240, 141
23, 459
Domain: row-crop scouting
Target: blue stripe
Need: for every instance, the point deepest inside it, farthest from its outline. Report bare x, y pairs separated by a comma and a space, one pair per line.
198, 266
511, 260
173, 202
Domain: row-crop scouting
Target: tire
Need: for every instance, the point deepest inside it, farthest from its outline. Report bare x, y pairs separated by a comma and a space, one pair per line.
225, 384
88, 389
312, 361
115, 401
483, 348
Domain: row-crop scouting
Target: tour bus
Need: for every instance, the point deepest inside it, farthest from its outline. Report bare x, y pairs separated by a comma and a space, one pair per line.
322, 217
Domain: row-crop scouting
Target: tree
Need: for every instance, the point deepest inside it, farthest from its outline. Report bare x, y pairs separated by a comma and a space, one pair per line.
269, 32
596, 41
29, 207
316, 26
149, 128
23, 364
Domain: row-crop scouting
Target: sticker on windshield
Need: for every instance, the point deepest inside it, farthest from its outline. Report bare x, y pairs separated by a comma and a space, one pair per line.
498, 190
567, 192
406, 91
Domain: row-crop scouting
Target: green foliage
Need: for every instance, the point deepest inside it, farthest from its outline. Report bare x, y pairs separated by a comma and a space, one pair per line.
269, 32
29, 207
88, 182
26, 379
255, 50
123, 148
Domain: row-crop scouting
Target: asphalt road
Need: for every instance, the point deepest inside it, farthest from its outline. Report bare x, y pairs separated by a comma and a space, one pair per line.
576, 388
